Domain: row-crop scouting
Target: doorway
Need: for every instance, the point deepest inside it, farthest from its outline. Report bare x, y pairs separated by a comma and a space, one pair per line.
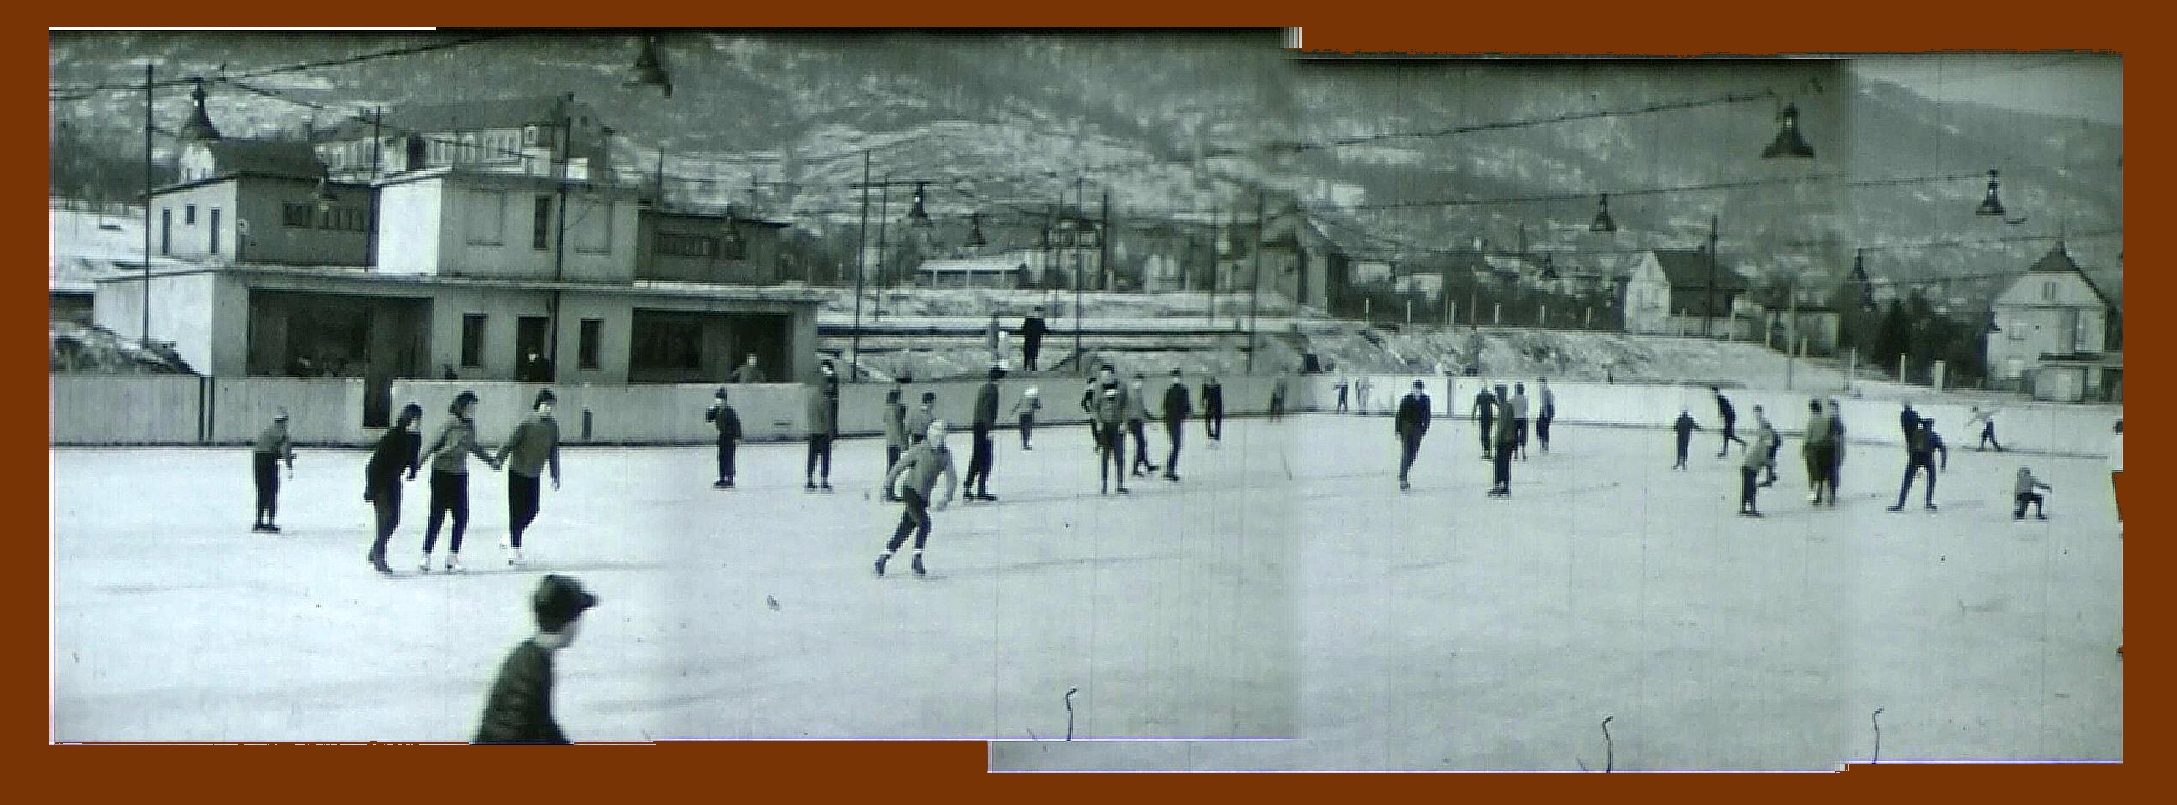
531, 364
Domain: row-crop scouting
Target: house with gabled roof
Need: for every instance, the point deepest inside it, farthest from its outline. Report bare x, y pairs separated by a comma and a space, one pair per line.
2055, 334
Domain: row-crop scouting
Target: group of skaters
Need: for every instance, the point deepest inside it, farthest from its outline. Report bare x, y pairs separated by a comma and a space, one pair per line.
1507, 416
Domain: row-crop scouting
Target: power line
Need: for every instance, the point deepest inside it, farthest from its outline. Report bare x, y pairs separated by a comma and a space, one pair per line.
77, 93
1542, 121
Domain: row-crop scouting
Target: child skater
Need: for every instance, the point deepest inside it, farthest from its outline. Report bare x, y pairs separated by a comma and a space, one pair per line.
922, 465
1030, 402
2024, 493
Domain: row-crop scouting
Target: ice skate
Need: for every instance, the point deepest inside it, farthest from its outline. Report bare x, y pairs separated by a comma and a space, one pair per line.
824, 487
513, 557
729, 483
1897, 508
1403, 485
2039, 516
378, 563
271, 529
720, 484
881, 559
1125, 491
1172, 477
425, 565
1931, 507
453, 563
919, 571
808, 486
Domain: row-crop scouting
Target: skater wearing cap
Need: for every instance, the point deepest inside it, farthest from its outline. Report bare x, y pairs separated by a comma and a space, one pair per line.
1485, 409
983, 451
1409, 425
519, 709
1519, 417
747, 373
1757, 458
728, 422
1548, 412
534, 443
1730, 418
922, 465
398, 449
1137, 423
1026, 407
1987, 420
918, 420
2023, 492
1213, 409
823, 426
1920, 449
1685, 428
1031, 337
1507, 443
1109, 417
272, 445
449, 458
1176, 410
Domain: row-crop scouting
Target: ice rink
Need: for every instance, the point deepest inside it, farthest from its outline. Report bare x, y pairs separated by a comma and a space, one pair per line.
1285, 589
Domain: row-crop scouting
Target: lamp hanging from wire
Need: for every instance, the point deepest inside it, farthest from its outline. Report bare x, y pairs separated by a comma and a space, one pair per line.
1603, 221
1789, 142
1991, 206
916, 215
649, 70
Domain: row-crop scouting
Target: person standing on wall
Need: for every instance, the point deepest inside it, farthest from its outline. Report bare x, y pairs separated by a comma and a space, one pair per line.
1485, 409
1137, 423
519, 709
1213, 409
1730, 417
895, 427
272, 446
449, 458
1176, 410
984, 452
1549, 412
400, 448
1030, 402
747, 373
728, 423
823, 427
535, 442
1409, 425
1031, 337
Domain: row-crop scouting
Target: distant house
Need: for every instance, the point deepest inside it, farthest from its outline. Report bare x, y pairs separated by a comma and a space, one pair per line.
1647, 295
994, 271
260, 201
1785, 321
511, 135
2055, 332
1704, 297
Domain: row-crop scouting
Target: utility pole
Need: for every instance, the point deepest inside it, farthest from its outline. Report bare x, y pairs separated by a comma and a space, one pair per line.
377, 146
1103, 248
861, 262
145, 333
1708, 305
1080, 201
559, 251
1254, 296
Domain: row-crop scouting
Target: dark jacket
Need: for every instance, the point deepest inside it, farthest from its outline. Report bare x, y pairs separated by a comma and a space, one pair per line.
274, 441
398, 449
1412, 421
986, 406
1032, 329
534, 443
1924, 442
728, 422
519, 709
1685, 426
1213, 398
1908, 421
1176, 405
824, 408
1724, 409
1485, 405
1109, 403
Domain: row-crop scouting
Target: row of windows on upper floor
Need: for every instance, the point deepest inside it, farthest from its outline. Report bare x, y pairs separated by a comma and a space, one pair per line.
485, 147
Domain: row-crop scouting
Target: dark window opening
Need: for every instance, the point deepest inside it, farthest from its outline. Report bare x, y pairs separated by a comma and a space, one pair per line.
540, 235
472, 339
666, 343
592, 333
677, 245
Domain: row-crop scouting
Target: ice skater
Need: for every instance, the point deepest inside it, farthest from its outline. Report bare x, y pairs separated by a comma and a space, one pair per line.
918, 420
1277, 397
534, 443
823, 427
1920, 450
1764, 430
1485, 409
922, 465
728, 422
1730, 417
1137, 424
1213, 409
272, 446
519, 709
983, 451
1363, 388
1520, 422
1176, 410
1685, 428
1341, 387
1109, 416
1837, 448
1757, 458
895, 428
1987, 420
1507, 438
1548, 412
1026, 407
1819, 447
1409, 425
1088, 409
2025, 491
1908, 421
449, 458
399, 449
1031, 337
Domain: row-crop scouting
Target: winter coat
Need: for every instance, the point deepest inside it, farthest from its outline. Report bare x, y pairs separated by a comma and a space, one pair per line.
396, 451
895, 423
986, 406
922, 464
273, 441
519, 709
1685, 427
1213, 398
456, 441
534, 442
728, 422
1412, 421
1109, 404
1176, 405
1137, 409
824, 408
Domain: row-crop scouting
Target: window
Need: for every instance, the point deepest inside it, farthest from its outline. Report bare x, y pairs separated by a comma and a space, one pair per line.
666, 343
2016, 328
736, 245
540, 235
530, 136
297, 216
215, 230
592, 332
591, 227
189, 214
472, 339
487, 218
2048, 291
672, 244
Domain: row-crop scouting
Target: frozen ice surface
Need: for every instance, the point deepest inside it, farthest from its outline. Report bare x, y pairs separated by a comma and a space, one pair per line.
1445, 630
1172, 610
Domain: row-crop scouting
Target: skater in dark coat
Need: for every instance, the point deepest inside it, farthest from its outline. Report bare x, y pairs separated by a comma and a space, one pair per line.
1213, 409
399, 449
1411, 423
1031, 337
728, 422
1548, 412
823, 427
1835, 413
448, 456
1908, 421
534, 443
1030, 402
1277, 397
272, 446
1507, 443
1137, 424
1730, 418
984, 449
922, 466
1088, 408
895, 428
519, 709
1685, 428
1109, 415
1485, 409
2024, 492
1177, 408
1340, 388
1920, 450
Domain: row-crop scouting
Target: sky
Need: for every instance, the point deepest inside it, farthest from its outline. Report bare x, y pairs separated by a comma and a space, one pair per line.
2063, 84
